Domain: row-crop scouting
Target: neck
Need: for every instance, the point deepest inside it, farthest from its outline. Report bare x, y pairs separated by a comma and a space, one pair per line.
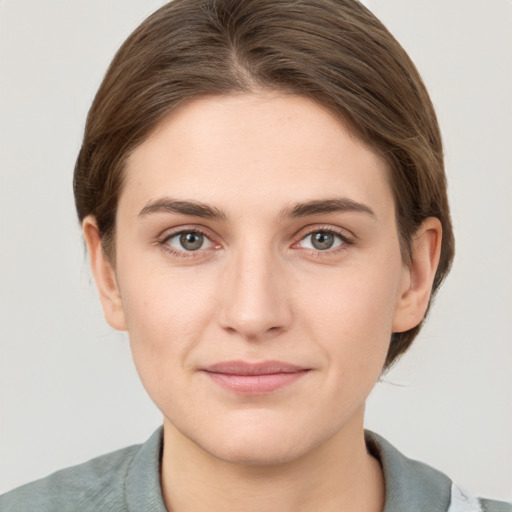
338, 475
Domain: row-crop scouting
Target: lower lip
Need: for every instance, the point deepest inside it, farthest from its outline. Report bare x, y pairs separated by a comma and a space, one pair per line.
255, 384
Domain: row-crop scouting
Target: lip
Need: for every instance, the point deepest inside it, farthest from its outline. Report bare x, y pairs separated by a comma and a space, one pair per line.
254, 378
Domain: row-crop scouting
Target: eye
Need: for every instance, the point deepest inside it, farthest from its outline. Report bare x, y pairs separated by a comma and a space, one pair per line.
322, 240
188, 241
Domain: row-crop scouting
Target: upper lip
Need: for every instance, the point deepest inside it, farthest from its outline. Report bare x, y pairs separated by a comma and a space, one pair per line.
245, 368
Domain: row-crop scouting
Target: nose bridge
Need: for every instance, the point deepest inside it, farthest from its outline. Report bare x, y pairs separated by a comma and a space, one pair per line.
255, 301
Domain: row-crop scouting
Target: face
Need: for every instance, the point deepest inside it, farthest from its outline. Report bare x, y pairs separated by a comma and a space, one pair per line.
258, 273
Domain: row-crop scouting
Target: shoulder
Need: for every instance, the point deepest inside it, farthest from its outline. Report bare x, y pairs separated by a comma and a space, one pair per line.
94, 485
413, 485
462, 502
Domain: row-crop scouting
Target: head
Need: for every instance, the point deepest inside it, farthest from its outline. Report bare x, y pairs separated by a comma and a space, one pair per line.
331, 54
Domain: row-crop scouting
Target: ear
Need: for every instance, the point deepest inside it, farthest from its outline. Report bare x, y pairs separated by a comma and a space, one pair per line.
418, 277
104, 275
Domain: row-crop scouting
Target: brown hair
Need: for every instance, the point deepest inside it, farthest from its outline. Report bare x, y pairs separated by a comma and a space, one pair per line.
333, 51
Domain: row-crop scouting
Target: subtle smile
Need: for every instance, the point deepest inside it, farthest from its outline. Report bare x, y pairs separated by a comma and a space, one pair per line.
254, 379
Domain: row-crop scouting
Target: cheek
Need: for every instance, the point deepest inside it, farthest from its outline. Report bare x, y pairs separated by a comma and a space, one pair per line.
166, 316
351, 318
160, 300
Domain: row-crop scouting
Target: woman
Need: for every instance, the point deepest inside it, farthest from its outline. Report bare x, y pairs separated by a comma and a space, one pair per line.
262, 193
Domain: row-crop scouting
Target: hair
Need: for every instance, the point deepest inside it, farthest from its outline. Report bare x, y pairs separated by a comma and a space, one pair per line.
335, 52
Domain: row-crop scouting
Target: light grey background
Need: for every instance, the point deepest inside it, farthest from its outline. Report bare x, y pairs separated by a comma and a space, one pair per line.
68, 389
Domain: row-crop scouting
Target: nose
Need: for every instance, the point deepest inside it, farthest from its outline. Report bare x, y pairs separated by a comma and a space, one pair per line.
255, 300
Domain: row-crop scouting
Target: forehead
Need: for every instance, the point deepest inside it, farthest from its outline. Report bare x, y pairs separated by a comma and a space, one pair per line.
255, 150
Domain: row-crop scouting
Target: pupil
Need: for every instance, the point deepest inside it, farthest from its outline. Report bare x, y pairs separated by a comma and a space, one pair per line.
191, 241
322, 240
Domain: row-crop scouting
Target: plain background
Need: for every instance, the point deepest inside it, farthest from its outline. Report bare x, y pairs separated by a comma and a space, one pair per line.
68, 389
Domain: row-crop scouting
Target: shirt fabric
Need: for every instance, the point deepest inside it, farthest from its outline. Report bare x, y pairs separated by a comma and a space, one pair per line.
128, 480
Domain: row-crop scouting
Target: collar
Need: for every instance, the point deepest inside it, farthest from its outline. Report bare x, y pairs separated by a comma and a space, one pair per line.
142, 482
410, 485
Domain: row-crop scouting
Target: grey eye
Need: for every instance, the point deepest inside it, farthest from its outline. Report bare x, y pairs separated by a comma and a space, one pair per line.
189, 241
321, 240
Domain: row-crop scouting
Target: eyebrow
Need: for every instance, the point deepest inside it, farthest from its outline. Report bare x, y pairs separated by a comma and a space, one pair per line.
316, 207
193, 208
297, 210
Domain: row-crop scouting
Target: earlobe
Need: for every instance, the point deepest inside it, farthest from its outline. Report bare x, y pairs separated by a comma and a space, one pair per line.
419, 276
104, 275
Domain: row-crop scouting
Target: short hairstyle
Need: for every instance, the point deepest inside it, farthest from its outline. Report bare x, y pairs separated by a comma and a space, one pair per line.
334, 52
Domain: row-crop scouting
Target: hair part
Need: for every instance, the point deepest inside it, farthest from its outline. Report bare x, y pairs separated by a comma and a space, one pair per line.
334, 52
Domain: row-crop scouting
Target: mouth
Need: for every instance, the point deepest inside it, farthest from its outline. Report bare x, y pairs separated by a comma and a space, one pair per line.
254, 378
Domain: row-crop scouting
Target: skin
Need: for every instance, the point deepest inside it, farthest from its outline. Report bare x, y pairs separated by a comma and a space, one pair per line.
259, 289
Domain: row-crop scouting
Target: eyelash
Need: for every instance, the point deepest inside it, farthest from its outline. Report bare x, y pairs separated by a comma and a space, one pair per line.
345, 241
163, 241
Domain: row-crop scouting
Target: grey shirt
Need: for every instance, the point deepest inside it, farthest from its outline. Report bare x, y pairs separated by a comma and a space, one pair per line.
128, 480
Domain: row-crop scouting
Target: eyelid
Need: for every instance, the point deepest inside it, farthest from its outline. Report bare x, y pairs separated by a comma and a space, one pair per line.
339, 232
344, 233
173, 232
347, 237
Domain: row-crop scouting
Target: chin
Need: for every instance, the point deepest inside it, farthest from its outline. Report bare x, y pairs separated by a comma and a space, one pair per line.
258, 452
258, 444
